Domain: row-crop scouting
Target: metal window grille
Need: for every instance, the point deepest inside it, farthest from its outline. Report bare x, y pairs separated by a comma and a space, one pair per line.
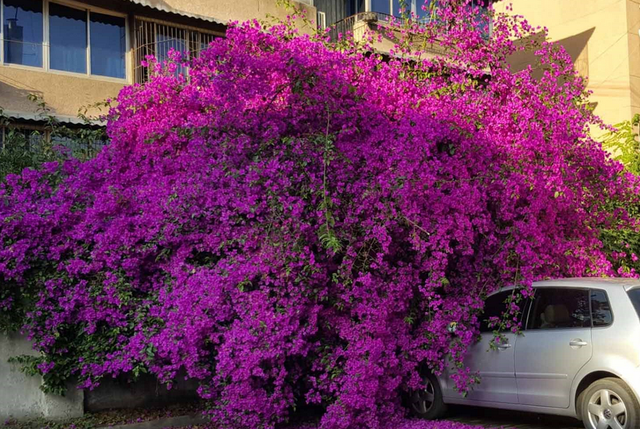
157, 38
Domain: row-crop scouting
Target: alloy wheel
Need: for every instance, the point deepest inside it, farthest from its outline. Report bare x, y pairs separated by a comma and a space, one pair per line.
422, 400
607, 410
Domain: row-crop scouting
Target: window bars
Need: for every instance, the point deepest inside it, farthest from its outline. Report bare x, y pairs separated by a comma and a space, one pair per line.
158, 38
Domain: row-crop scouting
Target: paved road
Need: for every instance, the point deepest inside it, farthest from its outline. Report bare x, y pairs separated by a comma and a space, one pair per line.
510, 419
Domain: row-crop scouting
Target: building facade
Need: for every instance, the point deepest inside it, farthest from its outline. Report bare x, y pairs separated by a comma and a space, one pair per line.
74, 53
603, 39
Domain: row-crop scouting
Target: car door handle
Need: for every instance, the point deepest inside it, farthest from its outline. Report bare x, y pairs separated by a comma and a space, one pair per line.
504, 346
578, 343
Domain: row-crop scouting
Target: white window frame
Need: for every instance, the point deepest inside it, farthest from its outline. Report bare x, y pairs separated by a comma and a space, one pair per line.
322, 20
46, 47
413, 6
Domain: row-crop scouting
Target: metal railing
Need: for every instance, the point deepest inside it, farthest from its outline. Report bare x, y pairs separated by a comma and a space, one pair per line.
34, 141
345, 27
157, 39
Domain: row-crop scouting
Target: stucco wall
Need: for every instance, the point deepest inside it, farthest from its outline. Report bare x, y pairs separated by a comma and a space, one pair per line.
602, 38
633, 57
64, 94
20, 395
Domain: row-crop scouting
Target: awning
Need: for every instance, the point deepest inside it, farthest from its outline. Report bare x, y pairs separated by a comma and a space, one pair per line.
160, 5
38, 118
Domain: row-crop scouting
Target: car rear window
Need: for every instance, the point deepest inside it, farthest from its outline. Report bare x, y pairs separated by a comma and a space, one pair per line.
601, 314
634, 295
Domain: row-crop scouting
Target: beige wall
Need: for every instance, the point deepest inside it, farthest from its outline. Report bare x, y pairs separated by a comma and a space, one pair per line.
633, 41
602, 38
64, 94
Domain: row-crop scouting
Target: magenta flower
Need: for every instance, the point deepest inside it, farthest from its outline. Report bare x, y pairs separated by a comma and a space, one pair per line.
295, 224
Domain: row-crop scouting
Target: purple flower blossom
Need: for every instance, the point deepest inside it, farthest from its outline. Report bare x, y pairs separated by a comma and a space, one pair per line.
296, 223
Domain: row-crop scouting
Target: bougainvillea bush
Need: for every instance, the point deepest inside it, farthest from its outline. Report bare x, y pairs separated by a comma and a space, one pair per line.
297, 224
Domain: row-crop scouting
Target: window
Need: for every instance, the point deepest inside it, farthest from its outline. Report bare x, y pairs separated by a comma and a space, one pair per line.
80, 40
392, 7
634, 296
483, 19
22, 30
494, 306
424, 10
78, 147
158, 39
396, 5
557, 308
383, 6
600, 309
170, 39
355, 6
108, 45
23, 140
68, 38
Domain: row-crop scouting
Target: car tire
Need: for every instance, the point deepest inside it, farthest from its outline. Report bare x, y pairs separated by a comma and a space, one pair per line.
428, 403
609, 404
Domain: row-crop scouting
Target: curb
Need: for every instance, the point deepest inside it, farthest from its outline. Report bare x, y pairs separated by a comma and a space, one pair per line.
167, 422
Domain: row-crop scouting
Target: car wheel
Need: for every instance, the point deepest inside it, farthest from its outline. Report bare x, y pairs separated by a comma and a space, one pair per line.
427, 403
609, 404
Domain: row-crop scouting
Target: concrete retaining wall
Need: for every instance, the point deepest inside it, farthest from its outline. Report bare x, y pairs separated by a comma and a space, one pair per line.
21, 397
20, 394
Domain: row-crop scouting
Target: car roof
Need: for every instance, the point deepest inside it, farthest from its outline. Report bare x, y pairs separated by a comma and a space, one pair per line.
590, 283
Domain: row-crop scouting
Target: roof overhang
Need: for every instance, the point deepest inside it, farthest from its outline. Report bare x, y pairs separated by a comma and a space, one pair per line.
39, 119
161, 6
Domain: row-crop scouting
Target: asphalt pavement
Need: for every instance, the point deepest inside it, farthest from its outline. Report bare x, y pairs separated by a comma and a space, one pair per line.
491, 418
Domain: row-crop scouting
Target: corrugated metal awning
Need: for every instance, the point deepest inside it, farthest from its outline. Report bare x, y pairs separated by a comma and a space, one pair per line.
159, 5
38, 118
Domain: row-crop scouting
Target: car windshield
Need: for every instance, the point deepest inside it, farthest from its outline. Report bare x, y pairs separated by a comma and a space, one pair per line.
634, 295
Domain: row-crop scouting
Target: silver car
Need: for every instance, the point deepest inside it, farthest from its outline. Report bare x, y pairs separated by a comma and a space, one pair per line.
578, 356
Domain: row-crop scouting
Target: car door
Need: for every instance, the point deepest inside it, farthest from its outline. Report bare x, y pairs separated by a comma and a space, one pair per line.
495, 366
556, 344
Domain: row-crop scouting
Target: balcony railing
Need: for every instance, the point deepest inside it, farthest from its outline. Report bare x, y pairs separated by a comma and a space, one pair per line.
347, 25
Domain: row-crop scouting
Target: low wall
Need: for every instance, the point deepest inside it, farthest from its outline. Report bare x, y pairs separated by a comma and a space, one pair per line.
20, 394
21, 397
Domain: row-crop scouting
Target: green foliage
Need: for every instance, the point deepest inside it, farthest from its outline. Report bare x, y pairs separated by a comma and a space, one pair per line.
18, 153
326, 232
623, 144
28, 147
623, 244
53, 381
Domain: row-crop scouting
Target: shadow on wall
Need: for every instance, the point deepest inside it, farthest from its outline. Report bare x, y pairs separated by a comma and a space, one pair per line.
577, 46
14, 96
